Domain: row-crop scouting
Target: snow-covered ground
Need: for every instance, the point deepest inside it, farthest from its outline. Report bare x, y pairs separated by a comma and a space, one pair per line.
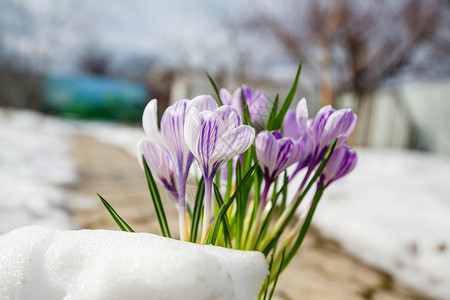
42, 263
34, 167
393, 211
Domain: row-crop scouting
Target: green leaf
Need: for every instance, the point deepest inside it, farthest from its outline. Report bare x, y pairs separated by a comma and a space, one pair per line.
266, 288
212, 236
119, 221
272, 116
247, 118
239, 218
159, 209
216, 90
284, 221
287, 102
277, 274
197, 211
225, 223
305, 225
284, 191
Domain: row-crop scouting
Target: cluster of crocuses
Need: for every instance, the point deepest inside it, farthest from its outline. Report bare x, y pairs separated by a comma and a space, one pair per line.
246, 206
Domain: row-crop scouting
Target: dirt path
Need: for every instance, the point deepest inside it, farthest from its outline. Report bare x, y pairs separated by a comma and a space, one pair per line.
320, 271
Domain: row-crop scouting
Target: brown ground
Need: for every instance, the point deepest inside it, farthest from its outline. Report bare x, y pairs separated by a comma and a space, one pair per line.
321, 270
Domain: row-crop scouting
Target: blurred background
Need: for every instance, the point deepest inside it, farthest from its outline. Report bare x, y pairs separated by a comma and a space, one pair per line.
76, 75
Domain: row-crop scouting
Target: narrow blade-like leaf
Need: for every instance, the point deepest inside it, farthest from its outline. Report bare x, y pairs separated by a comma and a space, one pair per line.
119, 221
305, 225
282, 223
216, 90
247, 119
197, 211
270, 125
159, 209
212, 236
225, 223
287, 102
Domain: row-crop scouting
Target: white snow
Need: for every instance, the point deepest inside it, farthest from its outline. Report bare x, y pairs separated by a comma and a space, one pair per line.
34, 165
393, 212
41, 263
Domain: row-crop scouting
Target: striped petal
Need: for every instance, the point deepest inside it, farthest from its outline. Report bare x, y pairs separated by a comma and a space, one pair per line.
266, 147
339, 125
203, 102
256, 103
233, 143
159, 162
172, 129
230, 116
301, 114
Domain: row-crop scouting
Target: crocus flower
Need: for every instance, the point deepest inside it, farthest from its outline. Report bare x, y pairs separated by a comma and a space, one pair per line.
214, 136
256, 101
275, 153
320, 132
341, 162
170, 142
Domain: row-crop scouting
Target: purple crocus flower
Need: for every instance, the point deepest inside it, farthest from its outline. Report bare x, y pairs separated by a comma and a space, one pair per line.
317, 133
275, 153
256, 101
341, 162
170, 142
214, 136
320, 132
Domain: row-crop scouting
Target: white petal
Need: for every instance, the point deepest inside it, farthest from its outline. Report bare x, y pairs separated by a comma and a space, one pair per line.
203, 102
150, 120
225, 96
233, 143
192, 130
230, 116
301, 113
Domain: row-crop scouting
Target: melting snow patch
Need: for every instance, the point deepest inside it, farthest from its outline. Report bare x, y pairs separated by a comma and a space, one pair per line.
393, 212
42, 263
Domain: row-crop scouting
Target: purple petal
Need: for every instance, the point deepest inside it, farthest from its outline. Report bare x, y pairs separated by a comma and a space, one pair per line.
159, 162
290, 126
318, 124
340, 125
257, 105
172, 129
342, 161
225, 96
266, 147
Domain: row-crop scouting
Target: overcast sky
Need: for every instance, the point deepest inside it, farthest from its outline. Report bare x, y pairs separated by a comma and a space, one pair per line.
171, 30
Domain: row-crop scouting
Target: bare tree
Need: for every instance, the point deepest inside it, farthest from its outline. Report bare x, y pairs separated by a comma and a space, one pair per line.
358, 46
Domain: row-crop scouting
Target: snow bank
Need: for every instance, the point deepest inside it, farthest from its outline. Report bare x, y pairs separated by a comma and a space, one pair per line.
42, 263
393, 212
34, 164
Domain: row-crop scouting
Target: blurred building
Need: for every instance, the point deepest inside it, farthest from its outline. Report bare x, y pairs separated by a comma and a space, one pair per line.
414, 115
